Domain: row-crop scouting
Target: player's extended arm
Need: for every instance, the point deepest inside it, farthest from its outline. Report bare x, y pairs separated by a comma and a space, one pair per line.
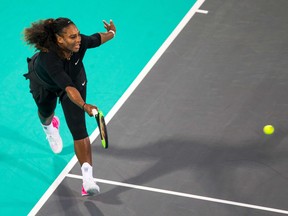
76, 98
111, 31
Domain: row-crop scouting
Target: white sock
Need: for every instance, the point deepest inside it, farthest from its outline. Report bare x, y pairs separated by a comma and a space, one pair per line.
87, 171
48, 128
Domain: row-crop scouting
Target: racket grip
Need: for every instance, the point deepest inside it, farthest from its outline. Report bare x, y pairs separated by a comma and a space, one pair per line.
94, 112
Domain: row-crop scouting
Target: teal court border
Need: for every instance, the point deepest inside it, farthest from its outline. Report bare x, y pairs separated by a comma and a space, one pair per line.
27, 164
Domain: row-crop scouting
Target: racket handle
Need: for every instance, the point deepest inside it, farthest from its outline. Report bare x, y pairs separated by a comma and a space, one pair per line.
94, 112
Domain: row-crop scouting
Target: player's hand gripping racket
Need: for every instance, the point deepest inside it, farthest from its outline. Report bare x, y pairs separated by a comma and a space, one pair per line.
102, 127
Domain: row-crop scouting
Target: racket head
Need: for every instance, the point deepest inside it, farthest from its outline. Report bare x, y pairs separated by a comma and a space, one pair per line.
102, 129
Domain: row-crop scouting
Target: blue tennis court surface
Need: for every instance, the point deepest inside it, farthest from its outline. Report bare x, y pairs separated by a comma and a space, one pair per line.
27, 164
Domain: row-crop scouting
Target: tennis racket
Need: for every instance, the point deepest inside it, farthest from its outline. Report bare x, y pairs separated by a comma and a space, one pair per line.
102, 127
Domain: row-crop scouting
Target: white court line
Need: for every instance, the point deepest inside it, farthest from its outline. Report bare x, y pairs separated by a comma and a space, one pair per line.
186, 195
202, 11
120, 102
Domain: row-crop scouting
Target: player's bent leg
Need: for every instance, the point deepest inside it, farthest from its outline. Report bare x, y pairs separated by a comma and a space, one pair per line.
46, 102
45, 120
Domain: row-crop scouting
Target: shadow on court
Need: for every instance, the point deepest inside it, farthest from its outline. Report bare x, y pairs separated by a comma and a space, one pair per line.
68, 206
218, 169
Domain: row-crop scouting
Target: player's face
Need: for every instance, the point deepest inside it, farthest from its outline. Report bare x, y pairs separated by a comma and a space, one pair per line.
70, 39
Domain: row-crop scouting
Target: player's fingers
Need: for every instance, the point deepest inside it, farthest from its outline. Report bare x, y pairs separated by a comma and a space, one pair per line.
105, 24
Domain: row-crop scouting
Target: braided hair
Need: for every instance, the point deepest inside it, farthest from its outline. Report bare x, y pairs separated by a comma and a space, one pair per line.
42, 34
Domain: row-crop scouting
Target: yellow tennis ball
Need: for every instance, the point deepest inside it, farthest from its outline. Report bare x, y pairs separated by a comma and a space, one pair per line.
268, 129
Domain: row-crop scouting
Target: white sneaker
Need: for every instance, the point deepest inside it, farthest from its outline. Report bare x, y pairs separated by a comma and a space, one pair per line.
90, 188
54, 137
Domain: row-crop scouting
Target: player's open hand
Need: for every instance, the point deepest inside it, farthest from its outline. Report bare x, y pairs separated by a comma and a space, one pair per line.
109, 26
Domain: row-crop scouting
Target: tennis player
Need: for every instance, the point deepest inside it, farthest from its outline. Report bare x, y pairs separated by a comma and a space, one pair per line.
57, 71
